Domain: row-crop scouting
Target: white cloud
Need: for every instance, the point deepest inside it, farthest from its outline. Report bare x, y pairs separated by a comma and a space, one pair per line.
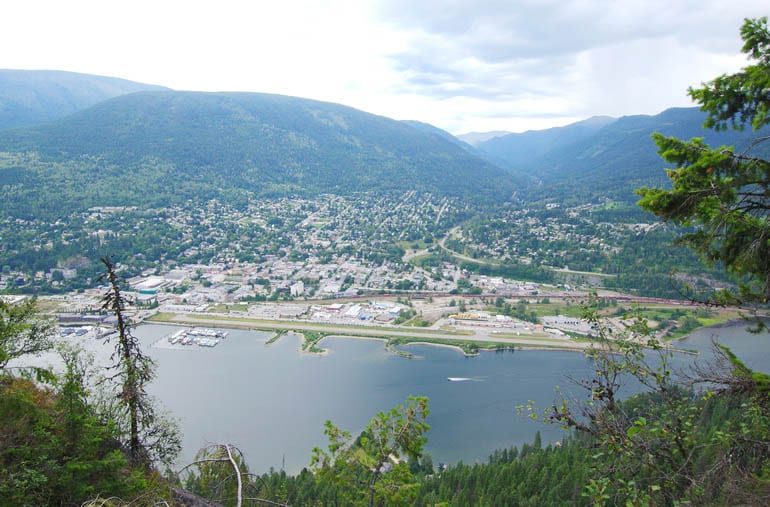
459, 64
568, 58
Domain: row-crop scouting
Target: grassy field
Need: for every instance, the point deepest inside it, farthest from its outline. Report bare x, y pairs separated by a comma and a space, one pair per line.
469, 347
48, 306
310, 343
229, 307
552, 309
313, 336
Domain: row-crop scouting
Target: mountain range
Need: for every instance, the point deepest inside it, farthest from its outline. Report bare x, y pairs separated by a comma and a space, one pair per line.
603, 157
166, 146
91, 140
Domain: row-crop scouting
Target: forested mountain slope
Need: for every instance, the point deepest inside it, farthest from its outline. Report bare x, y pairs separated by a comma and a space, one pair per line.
166, 146
517, 151
30, 97
590, 160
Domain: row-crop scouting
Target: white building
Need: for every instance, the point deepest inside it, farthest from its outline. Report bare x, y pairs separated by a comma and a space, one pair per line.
297, 289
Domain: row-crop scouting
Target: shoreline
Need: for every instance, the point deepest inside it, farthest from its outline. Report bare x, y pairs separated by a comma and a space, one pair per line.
384, 338
488, 344
720, 325
357, 332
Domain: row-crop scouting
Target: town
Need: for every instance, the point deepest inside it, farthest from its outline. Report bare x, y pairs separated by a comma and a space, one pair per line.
333, 246
411, 262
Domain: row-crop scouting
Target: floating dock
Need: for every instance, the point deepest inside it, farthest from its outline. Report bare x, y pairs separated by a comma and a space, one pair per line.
202, 337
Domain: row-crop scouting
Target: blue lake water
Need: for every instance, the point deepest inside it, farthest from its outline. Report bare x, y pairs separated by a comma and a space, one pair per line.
272, 400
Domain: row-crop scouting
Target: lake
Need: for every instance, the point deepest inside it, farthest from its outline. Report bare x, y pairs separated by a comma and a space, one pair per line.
272, 400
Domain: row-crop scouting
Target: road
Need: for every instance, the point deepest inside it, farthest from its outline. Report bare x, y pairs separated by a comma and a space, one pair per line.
458, 255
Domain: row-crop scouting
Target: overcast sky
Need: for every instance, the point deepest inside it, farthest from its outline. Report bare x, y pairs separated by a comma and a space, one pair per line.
462, 65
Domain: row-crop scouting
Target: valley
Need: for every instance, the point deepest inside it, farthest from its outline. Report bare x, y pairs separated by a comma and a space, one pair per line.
283, 198
247, 237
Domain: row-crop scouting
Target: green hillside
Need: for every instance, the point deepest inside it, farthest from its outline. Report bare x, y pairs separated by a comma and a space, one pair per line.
587, 161
31, 97
517, 151
156, 147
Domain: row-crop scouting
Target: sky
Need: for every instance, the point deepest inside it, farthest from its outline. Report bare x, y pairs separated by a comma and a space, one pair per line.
461, 65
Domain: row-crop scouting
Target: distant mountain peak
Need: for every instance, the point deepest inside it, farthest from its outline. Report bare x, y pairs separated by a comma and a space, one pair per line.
32, 97
476, 138
596, 120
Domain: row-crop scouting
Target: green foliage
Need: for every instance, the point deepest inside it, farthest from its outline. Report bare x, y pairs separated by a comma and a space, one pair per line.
56, 450
156, 148
520, 311
758, 382
31, 97
513, 270
404, 315
721, 192
609, 162
634, 464
668, 443
311, 339
22, 332
373, 468
530, 476
58, 446
737, 99
614, 248
220, 473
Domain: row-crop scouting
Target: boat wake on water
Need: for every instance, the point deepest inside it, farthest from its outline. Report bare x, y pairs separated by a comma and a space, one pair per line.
465, 379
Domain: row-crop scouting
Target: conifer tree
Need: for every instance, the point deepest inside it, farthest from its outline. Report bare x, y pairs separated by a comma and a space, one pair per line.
150, 435
724, 194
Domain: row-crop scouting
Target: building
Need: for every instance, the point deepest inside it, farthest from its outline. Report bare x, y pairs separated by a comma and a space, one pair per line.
297, 289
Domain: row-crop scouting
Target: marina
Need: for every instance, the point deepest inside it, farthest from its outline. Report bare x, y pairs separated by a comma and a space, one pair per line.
203, 337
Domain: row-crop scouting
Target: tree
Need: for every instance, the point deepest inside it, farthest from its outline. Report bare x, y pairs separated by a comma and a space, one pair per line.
151, 436
649, 441
219, 473
725, 194
54, 447
22, 332
370, 470
670, 442
90, 456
